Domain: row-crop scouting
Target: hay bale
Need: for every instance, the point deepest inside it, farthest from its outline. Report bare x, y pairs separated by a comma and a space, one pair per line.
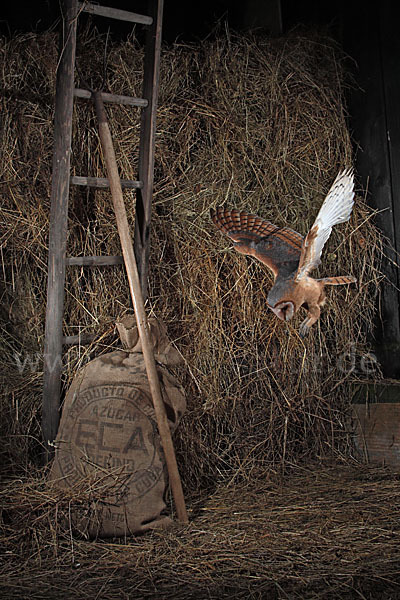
256, 123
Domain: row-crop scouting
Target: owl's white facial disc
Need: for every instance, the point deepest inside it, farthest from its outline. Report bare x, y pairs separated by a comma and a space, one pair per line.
283, 310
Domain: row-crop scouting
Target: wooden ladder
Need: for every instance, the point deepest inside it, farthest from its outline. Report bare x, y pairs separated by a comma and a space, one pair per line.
61, 181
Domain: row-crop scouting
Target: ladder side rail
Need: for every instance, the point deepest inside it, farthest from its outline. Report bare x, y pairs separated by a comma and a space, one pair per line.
58, 226
147, 142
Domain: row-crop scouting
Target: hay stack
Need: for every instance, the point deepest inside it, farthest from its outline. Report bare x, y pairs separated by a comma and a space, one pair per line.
254, 123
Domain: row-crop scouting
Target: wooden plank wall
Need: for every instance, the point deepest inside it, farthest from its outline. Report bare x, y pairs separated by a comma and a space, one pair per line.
370, 38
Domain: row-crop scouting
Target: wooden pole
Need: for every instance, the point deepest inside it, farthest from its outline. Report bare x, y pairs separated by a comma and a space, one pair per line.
140, 314
58, 227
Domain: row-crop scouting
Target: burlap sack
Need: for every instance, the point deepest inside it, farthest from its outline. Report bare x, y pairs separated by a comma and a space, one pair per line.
108, 436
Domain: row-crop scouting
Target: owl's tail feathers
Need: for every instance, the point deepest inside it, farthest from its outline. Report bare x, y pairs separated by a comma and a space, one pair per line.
345, 280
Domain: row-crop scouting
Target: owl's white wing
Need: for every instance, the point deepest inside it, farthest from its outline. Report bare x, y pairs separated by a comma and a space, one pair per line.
335, 209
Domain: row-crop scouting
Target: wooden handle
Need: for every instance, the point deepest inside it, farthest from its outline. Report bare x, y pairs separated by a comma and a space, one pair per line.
136, 293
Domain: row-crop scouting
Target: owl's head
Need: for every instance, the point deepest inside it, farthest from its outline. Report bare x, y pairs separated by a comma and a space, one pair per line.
284, 310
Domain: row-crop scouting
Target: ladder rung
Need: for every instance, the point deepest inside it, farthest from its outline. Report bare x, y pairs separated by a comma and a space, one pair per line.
83, 338
128, 100
93, 261
114, 13
102, 182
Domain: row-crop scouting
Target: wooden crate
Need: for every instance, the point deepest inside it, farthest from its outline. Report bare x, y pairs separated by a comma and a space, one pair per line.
376, 422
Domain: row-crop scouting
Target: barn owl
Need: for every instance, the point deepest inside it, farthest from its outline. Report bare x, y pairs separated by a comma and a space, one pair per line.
291, 257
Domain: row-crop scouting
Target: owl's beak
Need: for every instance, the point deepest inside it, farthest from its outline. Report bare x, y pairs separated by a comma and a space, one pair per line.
283, 310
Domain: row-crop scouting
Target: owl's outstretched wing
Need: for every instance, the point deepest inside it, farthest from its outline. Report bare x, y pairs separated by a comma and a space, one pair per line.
278, 248
335, 209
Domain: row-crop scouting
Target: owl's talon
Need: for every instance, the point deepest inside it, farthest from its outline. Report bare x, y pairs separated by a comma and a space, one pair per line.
304, 330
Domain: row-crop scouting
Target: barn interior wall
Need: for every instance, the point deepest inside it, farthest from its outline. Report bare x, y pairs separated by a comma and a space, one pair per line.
370, 39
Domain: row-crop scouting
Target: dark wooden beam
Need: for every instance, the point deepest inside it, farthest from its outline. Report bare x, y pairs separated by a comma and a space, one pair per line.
58, 226
146, 151
390, 59
375, 46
